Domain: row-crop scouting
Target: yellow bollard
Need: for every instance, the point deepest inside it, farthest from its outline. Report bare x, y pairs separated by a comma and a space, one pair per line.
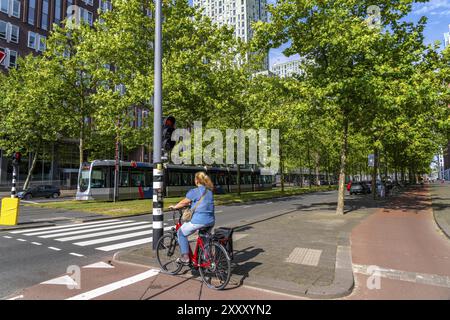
9, 215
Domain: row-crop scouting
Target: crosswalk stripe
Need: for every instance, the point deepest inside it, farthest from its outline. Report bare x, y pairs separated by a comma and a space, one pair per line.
115, 285
90, 230
64, 226
104, 233
115, 238
79, 227
125, 244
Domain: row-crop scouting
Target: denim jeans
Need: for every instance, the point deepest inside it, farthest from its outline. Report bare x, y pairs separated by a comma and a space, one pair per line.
185, 231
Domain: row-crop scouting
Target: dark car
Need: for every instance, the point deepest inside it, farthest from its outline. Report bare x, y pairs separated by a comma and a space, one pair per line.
43, 191
359, 188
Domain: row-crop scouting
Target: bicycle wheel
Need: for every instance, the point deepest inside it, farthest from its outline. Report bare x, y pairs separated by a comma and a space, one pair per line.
167, 252
218, 274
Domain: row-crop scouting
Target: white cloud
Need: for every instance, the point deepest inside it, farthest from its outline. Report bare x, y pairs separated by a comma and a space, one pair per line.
433, 7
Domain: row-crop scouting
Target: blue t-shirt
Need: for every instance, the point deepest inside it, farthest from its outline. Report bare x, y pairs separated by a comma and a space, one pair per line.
204, 212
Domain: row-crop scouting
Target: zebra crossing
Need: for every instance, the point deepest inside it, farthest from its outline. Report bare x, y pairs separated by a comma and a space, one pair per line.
106, 235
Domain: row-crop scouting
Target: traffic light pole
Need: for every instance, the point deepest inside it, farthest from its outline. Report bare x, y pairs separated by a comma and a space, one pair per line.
158, 170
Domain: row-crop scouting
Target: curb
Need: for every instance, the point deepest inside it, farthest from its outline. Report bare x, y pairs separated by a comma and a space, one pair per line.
442, 225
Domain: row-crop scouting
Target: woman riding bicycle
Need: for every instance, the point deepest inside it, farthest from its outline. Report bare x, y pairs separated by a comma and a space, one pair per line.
202, 200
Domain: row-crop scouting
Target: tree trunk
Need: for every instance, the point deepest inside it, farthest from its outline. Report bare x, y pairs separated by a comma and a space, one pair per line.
317, 158
30, 172
341, 193
82, 142
239, 179
374, 174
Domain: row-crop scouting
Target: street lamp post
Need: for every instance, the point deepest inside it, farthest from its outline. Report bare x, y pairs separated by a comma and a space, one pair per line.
158, 171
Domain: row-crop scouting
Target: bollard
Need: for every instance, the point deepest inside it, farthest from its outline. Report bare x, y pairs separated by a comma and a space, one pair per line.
9, 214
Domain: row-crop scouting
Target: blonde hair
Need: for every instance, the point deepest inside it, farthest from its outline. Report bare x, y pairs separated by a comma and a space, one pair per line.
203, 179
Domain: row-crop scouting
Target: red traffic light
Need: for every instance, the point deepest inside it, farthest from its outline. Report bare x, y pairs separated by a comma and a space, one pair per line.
169, 121
17, 156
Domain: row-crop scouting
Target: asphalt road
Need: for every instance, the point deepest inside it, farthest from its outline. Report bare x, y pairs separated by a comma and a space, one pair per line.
32, 256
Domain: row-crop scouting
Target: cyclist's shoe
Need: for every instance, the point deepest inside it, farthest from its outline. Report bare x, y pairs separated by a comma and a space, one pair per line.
183, 262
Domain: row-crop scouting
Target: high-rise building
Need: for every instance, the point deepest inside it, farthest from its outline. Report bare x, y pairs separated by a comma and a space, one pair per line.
287, 69
236, 13
447, 37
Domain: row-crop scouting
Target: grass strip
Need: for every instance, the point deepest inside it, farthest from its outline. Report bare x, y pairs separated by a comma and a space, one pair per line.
133, 207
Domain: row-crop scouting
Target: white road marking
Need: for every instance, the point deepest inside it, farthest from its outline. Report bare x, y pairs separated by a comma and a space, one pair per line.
120, 237
104, 233
415, 277
17, 297
37, 243
62, 281
76, 228
109, 239
28, 201
245, 207
125, 244
76, 254
99, 265
7, 237
21, 240
90, 230
115, 285
53, 248
59, 227
219, 211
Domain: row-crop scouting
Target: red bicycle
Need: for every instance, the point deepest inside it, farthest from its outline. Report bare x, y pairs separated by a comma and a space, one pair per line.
210, 258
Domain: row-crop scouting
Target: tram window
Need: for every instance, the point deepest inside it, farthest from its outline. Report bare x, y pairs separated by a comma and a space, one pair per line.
174, 178
124, 178
148, 178
98, 178
221, 179
137, 178
188, 179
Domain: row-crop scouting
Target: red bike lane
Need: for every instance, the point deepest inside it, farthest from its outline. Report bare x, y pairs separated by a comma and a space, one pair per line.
400, 253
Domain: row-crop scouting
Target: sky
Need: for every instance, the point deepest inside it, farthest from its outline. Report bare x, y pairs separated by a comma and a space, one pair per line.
437, 12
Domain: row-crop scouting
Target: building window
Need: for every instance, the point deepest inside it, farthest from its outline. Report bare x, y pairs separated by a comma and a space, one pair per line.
4, 6
42, 43
12, 58
31, 11
14, 35
44, 19
58, 6
31, 40
3, 30
9, 32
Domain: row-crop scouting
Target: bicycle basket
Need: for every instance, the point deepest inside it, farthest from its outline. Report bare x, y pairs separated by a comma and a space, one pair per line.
225, 237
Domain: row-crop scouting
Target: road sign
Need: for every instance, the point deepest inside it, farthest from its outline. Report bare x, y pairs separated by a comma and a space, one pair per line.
2, 56
371, 160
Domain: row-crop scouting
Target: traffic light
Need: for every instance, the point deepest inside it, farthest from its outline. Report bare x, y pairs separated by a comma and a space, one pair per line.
16, 158
168, 129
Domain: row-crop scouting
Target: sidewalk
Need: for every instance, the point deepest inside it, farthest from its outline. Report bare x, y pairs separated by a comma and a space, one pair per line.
440, 195
305, 253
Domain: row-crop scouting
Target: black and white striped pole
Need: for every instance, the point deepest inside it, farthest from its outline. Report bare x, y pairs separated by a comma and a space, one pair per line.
158, 203
15, 163
158, 173
14, 177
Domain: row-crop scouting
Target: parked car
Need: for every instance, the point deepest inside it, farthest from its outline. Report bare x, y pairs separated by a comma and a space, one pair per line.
42, 191
359, 188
